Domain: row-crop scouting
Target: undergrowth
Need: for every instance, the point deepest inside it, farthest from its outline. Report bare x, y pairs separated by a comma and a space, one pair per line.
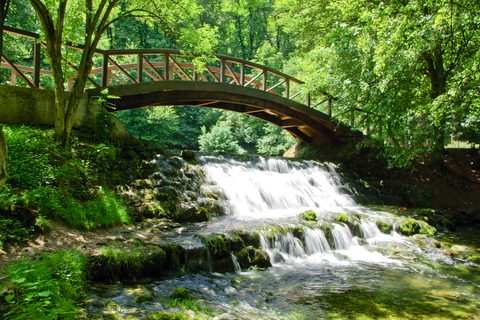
74, 185
49, 288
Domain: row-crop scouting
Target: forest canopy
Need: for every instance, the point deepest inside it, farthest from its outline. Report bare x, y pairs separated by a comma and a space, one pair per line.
404, 72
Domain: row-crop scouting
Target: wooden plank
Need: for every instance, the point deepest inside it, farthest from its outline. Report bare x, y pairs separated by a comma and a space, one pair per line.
140, 68
151, 75
153, 69
278, 84
215, 78
253, 79
122, 70
233, 74
17, 71
90, 80
105, 79
180, 69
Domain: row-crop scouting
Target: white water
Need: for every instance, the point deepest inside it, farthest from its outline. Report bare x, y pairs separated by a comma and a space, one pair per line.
261, 189
272, 188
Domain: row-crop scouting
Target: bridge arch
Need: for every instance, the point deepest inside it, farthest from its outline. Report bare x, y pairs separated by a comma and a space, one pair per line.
156, 77
302, 122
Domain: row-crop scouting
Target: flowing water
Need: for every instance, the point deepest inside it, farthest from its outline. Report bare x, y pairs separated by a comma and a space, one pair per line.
321, 270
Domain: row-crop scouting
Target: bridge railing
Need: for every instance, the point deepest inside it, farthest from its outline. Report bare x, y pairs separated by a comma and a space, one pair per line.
118, 67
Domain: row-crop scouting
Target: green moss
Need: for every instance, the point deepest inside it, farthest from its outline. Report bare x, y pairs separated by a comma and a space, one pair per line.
409, 227
143, 298
384, 226
192, 214
181, 294
341, 217
309, 216
427, 229
217, 245
168, 316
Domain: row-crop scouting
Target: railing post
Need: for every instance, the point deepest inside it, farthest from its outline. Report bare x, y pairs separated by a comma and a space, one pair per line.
36, 64
308, 99
352, 120
195, 75
287, 88
105, 71
242, 74
140, 68
264, 82
222, 70
166, 62
330, 107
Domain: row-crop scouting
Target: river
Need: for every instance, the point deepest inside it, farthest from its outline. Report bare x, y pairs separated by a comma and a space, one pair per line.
340, 266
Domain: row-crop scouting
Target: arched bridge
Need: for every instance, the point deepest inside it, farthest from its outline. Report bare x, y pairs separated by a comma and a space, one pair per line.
156, 77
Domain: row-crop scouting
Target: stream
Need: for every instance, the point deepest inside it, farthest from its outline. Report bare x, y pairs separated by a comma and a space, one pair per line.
342, 266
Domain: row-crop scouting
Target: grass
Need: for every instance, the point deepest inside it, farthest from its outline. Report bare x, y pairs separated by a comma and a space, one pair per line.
75, 185
49, 288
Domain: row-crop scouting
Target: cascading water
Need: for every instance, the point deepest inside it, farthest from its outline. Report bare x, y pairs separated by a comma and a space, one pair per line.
261, 191
339, 266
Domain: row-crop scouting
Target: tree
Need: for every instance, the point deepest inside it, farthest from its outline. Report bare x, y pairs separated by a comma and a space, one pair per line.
3, 159
410, 66
87, 20
156, 125
4, 5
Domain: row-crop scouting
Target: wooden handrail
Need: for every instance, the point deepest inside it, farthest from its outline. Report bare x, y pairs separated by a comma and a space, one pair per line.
172, 66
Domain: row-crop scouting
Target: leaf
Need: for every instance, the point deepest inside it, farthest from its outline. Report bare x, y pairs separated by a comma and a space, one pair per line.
9, 298
45, 293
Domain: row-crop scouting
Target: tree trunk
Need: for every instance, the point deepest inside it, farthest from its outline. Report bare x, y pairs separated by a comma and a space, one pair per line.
4, 4
3, 159
438, 85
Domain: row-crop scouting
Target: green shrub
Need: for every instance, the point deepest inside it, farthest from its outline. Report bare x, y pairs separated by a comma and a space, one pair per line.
50, 288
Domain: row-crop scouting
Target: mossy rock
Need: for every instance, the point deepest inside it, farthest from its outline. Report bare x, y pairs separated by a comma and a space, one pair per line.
251, 257
250, 238
217, 245
191, 214
164, 315
341, 217
427, 229
384, 226
181, 294
409, 227
144, 297
309, 216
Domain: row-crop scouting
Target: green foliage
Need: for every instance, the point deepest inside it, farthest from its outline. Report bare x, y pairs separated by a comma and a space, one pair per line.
168, 316
115, 263
309, 216
13, 231
156, 125
121, 263
219, 139
341, 217
181, 294
60, 184
50, 288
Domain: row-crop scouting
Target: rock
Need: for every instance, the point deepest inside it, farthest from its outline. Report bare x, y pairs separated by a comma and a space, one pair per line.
181, 294
225, 316
144, 297
29, 251
192, 214
188, 154
341, 217
309, 216
384, 226
459, 248
409, 227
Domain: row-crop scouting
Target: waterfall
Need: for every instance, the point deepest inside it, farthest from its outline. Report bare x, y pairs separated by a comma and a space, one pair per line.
267, 190
272, 188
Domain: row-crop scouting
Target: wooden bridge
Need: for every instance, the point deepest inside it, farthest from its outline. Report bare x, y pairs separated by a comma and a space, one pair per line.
165, 77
